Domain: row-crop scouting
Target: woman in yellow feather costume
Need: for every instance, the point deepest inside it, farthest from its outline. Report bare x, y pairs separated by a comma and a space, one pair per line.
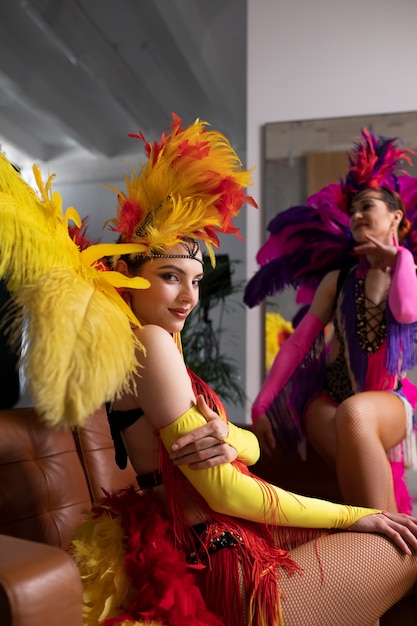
216, 532
204, 542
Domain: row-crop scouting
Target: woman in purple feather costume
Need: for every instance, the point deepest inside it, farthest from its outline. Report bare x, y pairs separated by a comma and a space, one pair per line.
350, 253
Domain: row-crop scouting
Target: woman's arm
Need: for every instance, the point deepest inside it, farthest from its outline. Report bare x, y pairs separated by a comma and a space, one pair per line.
164, 396
402, 296
163, 386
165, 393
214, 443
228, 491
294, 349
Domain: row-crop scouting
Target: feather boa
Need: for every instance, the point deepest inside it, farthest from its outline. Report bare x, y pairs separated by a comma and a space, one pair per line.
131, 570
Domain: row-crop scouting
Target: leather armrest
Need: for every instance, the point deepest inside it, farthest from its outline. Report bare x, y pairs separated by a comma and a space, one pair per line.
39, 584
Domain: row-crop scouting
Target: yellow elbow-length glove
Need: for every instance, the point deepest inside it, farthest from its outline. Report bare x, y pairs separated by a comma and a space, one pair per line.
245, 442
226, 490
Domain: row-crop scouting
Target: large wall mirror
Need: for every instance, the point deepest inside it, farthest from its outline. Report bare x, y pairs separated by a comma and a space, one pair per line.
300, 157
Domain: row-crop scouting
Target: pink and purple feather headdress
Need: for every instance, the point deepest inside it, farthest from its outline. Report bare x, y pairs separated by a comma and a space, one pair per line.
306, 242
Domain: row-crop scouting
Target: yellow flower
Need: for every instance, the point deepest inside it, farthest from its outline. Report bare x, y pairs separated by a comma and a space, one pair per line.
277, 330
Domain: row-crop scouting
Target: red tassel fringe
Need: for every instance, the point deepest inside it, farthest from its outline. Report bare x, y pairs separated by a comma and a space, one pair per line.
164, 588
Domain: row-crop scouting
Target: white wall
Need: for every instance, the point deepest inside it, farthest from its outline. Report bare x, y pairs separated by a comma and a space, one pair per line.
327, 58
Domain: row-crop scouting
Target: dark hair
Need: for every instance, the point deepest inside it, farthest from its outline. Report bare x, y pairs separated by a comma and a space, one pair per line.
395, 203
134, 263
392, 199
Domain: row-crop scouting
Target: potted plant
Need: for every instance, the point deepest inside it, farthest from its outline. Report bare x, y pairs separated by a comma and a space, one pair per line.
201, 336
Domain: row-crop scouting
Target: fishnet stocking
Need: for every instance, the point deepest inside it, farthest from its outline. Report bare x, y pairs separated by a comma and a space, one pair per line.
367, 425
349, 579
355, 437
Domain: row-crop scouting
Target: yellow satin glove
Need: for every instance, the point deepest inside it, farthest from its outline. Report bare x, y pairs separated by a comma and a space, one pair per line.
245, 442
226, 490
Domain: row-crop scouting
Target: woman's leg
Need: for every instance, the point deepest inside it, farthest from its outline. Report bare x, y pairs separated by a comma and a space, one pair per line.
354, 437
348, 578
367, 425
319, 421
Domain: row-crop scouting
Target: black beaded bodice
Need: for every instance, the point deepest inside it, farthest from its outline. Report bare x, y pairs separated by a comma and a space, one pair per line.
371, 325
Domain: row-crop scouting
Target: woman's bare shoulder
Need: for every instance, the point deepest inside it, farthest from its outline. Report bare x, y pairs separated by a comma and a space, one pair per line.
152, 336
149, 332
328, 285
157, 343
163, 386
330, 280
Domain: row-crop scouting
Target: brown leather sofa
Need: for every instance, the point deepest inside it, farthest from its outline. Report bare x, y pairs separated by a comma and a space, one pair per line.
48, 478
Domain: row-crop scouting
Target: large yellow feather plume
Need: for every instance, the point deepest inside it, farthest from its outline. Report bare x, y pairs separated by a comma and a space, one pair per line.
78, 347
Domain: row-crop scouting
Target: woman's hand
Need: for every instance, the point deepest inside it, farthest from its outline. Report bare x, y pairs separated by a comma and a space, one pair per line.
385, 256
400, 528
204, 447
263, 430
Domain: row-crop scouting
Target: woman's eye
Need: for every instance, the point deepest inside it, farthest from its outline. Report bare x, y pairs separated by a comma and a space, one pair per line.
170, 277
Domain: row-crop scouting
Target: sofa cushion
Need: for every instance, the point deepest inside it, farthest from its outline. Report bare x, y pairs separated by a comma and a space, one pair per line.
43, 490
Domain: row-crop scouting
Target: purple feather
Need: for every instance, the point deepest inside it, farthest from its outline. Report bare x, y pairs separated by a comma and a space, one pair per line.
305, 243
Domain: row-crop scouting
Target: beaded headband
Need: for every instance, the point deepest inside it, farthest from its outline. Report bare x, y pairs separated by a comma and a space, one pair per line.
192, 252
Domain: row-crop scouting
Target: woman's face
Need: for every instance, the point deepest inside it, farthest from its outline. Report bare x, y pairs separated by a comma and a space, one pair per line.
173, 292
369, 213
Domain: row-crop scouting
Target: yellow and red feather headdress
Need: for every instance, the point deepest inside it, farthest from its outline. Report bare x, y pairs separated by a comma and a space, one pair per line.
192, 185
